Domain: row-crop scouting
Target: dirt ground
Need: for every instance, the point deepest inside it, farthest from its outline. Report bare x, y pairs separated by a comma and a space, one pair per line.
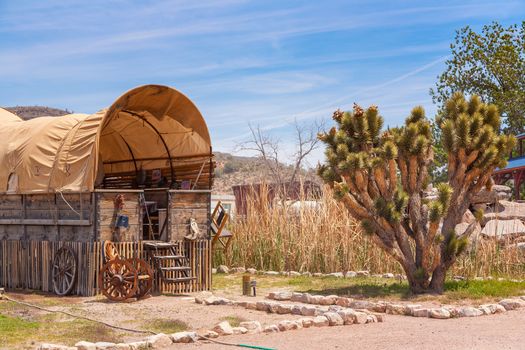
504, 331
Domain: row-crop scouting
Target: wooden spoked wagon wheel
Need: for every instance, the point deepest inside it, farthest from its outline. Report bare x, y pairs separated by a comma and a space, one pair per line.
64, 271
118, 280
145, 277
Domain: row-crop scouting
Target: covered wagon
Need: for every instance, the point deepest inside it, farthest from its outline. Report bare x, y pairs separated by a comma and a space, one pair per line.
138, 174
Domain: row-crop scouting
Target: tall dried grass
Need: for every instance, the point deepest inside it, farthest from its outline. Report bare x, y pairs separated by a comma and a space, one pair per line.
284, 237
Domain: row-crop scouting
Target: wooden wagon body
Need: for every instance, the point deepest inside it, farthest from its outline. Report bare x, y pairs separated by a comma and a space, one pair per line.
141, 173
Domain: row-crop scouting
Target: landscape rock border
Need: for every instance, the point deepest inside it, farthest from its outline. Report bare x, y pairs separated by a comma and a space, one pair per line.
223, 269
317, 311
414, 310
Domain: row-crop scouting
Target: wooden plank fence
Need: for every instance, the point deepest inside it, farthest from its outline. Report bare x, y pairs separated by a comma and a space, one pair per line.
27, 265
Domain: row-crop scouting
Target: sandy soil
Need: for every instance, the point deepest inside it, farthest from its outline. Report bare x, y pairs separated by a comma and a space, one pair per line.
138, 314
398, 332
503, 331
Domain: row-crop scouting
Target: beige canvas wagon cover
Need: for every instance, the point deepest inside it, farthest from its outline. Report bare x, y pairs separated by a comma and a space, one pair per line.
146, 127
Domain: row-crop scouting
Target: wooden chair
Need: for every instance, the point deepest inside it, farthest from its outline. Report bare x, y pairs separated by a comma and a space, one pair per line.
220, 235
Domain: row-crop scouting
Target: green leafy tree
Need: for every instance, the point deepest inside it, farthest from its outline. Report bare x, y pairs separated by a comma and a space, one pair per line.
380, 177
490, 64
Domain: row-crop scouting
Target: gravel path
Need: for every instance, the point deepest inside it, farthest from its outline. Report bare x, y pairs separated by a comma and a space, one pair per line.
504, 331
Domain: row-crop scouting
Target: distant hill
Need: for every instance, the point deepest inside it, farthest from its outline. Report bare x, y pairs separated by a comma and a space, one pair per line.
231, 170
234, 170
30, 112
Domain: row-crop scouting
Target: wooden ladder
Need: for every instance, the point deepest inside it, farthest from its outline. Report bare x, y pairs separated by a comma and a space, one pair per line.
170, 265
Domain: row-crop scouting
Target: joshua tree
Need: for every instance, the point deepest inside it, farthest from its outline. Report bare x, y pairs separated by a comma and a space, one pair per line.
380, 178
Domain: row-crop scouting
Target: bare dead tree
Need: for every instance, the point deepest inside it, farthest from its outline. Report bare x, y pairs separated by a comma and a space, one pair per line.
269, 149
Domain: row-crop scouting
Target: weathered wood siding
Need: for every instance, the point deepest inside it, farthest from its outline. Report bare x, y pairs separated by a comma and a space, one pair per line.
107, 214
47, 217
27, 265
185, 205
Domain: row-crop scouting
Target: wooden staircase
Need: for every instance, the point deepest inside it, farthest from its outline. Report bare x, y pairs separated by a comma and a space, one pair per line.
169, 264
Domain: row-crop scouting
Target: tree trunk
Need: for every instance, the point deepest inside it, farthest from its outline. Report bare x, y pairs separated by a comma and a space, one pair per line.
423, 286
437, 284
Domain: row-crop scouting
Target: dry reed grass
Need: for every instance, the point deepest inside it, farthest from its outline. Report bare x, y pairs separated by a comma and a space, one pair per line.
282, 237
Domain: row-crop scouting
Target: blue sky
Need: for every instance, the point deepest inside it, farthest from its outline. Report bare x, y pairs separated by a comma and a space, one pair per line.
260, 62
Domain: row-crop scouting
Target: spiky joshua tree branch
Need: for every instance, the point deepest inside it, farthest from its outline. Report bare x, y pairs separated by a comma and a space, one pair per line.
380, 177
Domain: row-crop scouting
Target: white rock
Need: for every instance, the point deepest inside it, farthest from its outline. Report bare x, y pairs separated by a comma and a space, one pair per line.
316, 299
122, 346
503, 228
271, 329
485, 310
46, 346
298, 297
512, 304
307, 322
139, 345
360, 317
335, 308
184, 337
347, 315
213, 300
342, 301
211, 334
363, 273
462, 227
102, 345
286, 325
239, 330
223, 328
320, 321
271, 273
214, 270
294, 274
284, 309
199, 298
273, 307
378, 307
395, 309
280, 296
336, 274
328, 300
469, 311
158, 341
307, 274
317, 274
497, 193
494, 308
334, 319
409, 309
238, 270
468, 217
388, 275
505, 210
361, 304
251, 271
223, 269
350, 274
440, 313
262, 306
85, 345
371, 319
296, 310
420, 312
380, 317
251, 305
308, 310
252, 326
